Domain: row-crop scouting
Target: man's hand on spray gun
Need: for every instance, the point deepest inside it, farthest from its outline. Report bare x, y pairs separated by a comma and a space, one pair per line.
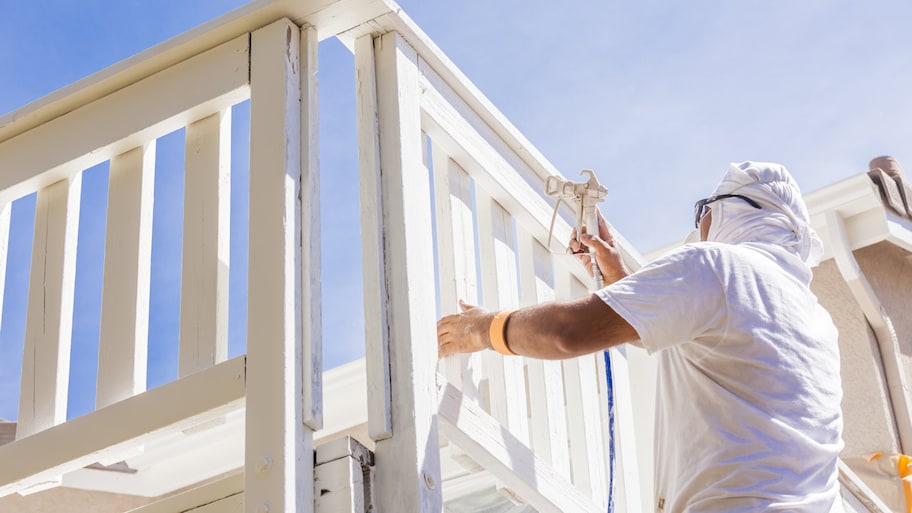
586, 196
609, 258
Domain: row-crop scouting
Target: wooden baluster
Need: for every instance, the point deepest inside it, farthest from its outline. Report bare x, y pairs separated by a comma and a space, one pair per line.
506, 375
123, 335
205, 261
456, 259
279, 446
546, 382
49, 320
583, 410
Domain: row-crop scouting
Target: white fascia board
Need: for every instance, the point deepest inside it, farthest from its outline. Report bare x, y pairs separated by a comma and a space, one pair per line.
867, 219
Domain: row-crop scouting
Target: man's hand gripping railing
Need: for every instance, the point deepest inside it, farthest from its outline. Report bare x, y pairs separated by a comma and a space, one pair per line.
587, 195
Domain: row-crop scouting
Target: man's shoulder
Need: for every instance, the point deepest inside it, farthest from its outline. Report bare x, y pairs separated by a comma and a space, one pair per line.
696, 251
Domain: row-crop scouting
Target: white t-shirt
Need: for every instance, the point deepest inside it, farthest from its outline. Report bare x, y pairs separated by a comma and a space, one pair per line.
748, 408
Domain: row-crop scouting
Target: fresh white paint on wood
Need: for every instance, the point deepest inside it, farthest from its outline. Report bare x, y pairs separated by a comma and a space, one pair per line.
408, 464
206, 244
279, 463
376, 331
120, 427
626, 435
583, 420
490, 161
124, 119
49, 320
579, 451
456, 259
547, 415
5, 211
594, 429
311, 304
124, 330
506, 375
509, 459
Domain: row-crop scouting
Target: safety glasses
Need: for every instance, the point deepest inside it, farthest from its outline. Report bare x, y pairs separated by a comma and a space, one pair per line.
700, 209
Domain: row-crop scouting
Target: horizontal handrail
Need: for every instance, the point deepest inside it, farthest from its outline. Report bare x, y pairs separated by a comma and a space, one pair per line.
118, 428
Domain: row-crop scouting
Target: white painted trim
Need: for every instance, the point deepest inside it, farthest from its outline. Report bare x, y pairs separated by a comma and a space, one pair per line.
49, 319
408, 464
880, 323
507, 458
278, 457
120, 427
124, 119
376, 330
124, 330
206, 244
311, 298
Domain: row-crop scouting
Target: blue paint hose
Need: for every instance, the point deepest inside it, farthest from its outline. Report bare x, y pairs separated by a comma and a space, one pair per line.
612, 466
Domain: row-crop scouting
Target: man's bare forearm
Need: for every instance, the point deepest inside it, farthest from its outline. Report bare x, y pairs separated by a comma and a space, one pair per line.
567, 329
558, 330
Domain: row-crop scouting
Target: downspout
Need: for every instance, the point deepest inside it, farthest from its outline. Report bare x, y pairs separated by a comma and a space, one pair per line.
897, 388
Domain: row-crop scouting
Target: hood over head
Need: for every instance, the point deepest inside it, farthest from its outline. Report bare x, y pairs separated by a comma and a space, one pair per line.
783, 221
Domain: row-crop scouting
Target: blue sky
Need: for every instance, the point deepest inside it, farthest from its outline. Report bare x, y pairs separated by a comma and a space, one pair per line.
656, 96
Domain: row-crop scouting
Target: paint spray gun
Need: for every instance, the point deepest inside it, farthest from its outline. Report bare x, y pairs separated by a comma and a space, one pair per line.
587, 195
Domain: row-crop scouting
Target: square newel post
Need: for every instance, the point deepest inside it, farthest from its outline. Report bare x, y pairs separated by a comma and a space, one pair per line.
283, 346
399, 295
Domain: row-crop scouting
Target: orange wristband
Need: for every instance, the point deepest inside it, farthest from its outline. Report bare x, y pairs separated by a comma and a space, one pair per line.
498, 333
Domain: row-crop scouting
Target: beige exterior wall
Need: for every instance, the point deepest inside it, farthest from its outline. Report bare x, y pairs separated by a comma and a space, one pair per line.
869, 424
889, 270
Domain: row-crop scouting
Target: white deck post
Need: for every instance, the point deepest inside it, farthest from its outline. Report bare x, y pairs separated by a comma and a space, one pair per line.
123, 337
205, 264
279, 447
49, 321
408, 463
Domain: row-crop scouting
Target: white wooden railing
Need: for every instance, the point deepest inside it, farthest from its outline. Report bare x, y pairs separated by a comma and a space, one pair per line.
452, 207
442, 169
274, 67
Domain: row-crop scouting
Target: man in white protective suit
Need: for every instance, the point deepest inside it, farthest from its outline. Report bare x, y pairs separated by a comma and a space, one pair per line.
748, 403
